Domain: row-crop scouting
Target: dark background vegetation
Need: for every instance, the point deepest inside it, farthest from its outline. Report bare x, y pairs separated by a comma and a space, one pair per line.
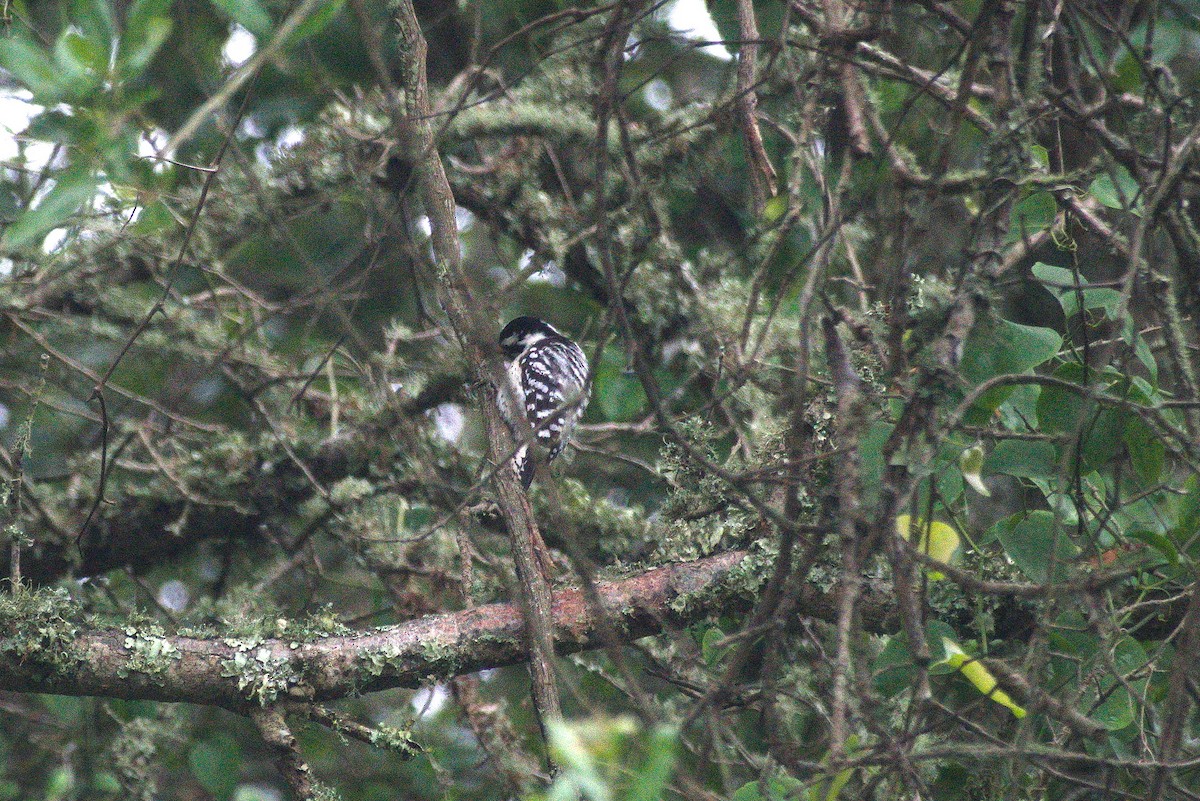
895, 309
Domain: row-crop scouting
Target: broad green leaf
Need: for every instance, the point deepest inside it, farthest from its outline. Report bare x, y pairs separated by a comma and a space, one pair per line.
1159, 542
1141, 349
75, 52
1060, 409
1023, 458
1061, 283
96, 22
1032, 215
70, 193
829, 789
1146, 450
1187, 510
725, 15
651, 776
33, 68
870, 455
1103, 438
141, 12
1117, 189
140, 43
1036, 545
601, 756
1018, 412
1098, 667
1119, 708
971, 465
81, 66
250, 14
774, 209
982, 678
1040, 156
155, 217
1128, 75
1000, 347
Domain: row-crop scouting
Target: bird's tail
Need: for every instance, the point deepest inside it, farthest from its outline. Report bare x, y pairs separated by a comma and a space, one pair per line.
524, 466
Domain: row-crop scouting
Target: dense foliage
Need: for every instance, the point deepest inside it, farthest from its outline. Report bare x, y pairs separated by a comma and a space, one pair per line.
889, 305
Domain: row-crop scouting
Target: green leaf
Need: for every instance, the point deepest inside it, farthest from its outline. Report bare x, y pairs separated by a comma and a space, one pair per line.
154, 217
1146, 450
830, 789
79, 54
1036, 545
33, 68
1023, 458
1000, 347
80, 64
1159, 542
725, 15
96, 22
316, 22
1061, 282
141, 12
1032, 215
652, 775
1040, 156
1062, 410
779, 788
1103, 443
70, 192
1119, 707
1117, 189
139, 44
1019, 410
1187, 510
871, 465
250, 14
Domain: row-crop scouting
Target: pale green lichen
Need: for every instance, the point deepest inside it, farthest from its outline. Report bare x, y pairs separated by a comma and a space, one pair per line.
39, 628
744, 580
261, 674
395, 739
150, 651
322, 792
376, 660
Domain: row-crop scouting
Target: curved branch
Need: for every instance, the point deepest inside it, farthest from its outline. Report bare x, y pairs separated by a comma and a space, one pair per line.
45, 653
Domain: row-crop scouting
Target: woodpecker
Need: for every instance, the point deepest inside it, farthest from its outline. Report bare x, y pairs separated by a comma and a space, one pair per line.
547, 375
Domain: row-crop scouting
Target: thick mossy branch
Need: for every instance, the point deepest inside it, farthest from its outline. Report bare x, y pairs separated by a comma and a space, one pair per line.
237, 672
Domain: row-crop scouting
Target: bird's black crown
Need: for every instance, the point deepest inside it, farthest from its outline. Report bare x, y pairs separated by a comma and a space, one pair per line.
516, 335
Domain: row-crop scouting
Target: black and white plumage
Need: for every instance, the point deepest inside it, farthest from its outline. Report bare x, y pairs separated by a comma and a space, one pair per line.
547, 375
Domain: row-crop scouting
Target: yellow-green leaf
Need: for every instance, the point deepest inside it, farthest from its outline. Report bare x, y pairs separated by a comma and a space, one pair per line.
980, 677
936, 540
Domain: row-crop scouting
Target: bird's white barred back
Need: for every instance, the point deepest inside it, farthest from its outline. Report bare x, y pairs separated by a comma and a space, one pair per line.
549, 380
